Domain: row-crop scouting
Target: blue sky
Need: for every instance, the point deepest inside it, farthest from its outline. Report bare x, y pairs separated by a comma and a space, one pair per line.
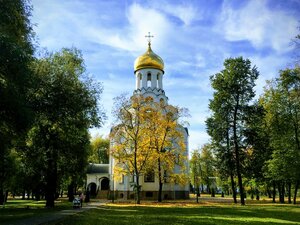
192, 37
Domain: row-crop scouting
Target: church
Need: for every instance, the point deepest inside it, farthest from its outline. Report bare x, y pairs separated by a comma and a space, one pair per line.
101, 180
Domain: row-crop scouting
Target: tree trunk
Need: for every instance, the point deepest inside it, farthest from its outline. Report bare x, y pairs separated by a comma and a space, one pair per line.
257, 194
274, 192
281, 191
1, 196
6, 196
138, 191
198, 194
289, 189
23, 194
71, 191
212, 192
160, 184
233, 187
269, 191
237, 155
296, 190
51, 181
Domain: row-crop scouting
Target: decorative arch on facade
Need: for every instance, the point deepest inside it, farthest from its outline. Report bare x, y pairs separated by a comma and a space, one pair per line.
92, 188
104, 183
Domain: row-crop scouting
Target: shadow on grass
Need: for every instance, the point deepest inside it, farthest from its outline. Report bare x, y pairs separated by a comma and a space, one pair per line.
188, 215
18, 210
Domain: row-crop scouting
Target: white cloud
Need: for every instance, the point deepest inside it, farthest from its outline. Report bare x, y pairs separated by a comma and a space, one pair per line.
258, 24
187, 13
131, 37
197, 139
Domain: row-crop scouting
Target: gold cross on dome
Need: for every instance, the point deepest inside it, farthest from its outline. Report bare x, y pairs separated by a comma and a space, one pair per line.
149, 36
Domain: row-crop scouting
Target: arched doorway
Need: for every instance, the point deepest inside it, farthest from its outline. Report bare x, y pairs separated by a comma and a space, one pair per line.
104, 183
92, 187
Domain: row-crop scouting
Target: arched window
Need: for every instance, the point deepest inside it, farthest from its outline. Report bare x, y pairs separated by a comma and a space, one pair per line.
149, 79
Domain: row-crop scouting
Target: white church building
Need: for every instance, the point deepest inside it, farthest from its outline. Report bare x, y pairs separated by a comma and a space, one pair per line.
149, 73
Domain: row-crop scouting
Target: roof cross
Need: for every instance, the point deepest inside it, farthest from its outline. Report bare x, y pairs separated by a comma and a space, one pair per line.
149, 36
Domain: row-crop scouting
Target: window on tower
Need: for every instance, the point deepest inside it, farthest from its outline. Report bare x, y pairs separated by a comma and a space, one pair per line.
149, 80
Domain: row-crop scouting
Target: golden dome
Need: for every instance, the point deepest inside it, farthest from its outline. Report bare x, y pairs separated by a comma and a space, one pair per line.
149, 60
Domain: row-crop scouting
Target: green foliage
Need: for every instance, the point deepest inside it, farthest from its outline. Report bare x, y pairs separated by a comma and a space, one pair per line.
15, 80
230, 108
195, 168
99, 152
282, 103
65, 102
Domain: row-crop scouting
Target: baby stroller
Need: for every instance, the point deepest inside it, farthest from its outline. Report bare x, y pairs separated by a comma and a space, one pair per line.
76, 203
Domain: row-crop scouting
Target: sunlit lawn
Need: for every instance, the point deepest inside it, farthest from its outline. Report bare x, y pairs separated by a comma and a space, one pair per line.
176, 213
16, 210
208, 211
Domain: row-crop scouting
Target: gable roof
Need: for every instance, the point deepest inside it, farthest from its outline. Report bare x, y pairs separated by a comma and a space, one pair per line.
97, 168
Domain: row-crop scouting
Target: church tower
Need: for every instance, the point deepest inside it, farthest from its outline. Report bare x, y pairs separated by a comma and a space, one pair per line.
149, 71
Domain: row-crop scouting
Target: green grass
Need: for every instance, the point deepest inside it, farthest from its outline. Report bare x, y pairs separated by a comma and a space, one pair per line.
192, 214
17, 210
172, 212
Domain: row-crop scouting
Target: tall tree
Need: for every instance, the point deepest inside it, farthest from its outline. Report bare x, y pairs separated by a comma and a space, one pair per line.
258, 147
168, 143
15, 76
281, 101
235, 86
65, 101
130, 146
196, 171
148, 138
207, 161
99, 150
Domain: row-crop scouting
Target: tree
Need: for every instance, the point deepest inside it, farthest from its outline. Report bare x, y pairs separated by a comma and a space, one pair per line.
99, 150
196, 171
148, 138
208, 168
65, 102
219, 129
130, 146
258, 147
168, 143
234, 85
281, 101
15, 80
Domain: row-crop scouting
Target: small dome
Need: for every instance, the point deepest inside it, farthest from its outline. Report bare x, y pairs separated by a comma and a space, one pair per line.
149, 60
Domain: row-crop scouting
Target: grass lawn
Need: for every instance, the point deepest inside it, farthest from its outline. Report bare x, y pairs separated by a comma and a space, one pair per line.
208, 211
16, 210
175, 213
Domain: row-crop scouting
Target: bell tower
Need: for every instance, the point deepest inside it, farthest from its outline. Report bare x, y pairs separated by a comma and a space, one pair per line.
149, 71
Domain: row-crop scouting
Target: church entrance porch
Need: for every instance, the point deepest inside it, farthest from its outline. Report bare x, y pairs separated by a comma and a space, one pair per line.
104, 184
92, 188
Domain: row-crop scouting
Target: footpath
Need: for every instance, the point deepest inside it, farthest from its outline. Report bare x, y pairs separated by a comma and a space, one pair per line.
56, 216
